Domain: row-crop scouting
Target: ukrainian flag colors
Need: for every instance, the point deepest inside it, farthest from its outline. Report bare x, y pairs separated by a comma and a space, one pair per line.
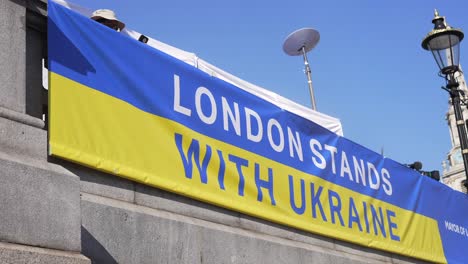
140, 114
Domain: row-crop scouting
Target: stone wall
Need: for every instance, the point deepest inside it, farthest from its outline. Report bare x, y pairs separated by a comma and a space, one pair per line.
40, 206
54, 211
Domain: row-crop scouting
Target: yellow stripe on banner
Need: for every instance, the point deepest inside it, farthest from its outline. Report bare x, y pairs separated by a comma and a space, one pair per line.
108, 134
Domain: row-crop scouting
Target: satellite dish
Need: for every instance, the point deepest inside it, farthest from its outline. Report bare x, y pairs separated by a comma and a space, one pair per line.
305, 37
298, 43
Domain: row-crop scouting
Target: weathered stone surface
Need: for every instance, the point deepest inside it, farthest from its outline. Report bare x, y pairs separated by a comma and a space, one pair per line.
13, 55
115, 231
40, 206
100, 183
397, 259
20, 254
163, 200
265, 227
36, 96
364, 252
22, 140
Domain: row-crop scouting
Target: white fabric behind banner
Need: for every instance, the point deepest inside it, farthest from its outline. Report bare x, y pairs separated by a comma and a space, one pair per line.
331, 123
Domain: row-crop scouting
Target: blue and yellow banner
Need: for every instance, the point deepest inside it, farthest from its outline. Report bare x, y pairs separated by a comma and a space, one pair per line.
122, 107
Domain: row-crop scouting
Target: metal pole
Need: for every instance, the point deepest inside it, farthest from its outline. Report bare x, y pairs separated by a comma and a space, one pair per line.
455, 96
309, 78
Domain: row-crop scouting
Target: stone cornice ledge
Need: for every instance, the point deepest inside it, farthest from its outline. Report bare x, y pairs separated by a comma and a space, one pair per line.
21, 118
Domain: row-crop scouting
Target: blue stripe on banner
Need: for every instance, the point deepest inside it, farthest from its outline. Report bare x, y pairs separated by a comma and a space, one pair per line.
167, 87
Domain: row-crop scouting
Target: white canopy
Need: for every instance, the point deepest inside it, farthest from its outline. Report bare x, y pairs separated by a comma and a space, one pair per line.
331, 123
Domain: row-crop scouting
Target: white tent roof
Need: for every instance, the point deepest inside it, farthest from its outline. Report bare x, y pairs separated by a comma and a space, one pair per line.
331, 123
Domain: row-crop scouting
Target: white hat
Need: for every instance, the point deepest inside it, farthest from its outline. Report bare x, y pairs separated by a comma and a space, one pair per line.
109, 15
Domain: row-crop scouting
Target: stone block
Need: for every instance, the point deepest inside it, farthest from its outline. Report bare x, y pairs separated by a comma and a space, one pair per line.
398, 259
365, 252
117, 232
40, 205
20, 254
22, 140
277, 230
36, 41
167, 201
13, 54
120, 232
100, 183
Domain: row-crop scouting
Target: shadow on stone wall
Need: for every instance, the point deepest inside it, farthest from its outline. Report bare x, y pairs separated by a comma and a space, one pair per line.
93, 249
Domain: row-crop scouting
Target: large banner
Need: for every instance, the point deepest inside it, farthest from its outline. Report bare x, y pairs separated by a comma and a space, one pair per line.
125, 108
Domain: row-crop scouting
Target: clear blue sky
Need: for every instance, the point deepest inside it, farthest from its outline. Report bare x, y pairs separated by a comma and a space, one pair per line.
368, 70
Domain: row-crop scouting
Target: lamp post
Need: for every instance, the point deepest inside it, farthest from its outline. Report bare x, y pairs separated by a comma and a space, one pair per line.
444, 43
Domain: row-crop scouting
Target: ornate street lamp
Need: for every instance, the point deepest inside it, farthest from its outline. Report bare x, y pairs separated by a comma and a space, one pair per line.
444, 43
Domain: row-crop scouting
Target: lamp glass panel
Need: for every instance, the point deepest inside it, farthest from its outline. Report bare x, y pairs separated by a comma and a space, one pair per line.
446, 50
439, 56
444, 41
